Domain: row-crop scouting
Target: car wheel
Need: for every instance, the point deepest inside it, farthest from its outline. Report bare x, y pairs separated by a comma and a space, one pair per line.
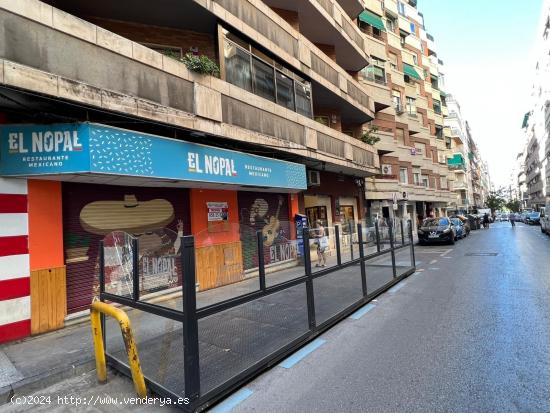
452, 242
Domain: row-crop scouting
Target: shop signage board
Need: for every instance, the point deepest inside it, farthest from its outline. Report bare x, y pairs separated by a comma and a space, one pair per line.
28, 150
217, 211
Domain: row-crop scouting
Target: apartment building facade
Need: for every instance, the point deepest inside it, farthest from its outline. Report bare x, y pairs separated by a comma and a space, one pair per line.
536, 123
405, 82
458, 150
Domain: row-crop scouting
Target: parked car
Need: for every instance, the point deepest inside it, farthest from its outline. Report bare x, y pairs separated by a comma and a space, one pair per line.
545, 219
533, 218
466, 222
504, 217
436, 230
458, 228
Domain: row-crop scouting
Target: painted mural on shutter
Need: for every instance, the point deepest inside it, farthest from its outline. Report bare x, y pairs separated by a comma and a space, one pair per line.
92, 211
267, 213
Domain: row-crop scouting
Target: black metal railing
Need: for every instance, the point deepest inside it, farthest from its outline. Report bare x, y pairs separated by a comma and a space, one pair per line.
198, 355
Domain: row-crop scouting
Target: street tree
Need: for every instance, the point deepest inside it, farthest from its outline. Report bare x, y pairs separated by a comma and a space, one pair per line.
514, 205
495, 201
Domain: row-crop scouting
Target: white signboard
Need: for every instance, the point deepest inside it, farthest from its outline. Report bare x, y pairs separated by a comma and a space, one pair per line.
217, 211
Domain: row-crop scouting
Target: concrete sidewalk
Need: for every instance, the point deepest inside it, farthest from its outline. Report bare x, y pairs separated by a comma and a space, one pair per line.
36, 362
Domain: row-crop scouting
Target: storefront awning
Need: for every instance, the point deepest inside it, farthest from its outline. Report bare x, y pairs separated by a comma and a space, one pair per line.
372, 19
92, 149
411, 71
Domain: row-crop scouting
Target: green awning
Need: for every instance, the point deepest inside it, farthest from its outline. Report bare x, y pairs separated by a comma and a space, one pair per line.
372, 20
410, 71
457, 159
526, 120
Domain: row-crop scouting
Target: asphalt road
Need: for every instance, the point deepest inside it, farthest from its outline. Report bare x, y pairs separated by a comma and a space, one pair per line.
464, 333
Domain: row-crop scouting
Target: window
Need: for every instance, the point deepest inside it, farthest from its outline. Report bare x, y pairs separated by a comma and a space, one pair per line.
263, 79
448, 143
415, 59
237, 66
393, 60
425, 181
403, 39
435, 82
413, 28
411, 106
416, 178
392, 23
303, 99
396, 98
437, 106
401, 8
285, 90
403, 175
376, 71
443, 182
400, 135
439, 132
256, 72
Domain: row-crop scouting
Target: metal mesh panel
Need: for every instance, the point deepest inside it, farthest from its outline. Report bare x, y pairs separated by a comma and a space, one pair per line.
403, 260
379, 272
336, 291
233, 340
160, 345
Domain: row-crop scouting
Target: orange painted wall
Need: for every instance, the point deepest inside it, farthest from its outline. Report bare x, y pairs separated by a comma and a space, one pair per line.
45, 224
199, 216
294, 209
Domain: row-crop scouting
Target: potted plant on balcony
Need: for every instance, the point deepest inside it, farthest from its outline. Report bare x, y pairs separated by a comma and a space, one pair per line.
370, 137
200, 64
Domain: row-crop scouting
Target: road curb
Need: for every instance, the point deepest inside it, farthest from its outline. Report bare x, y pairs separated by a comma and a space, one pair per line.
40, 381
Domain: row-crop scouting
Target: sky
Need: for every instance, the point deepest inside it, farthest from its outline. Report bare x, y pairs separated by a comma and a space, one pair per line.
487, 50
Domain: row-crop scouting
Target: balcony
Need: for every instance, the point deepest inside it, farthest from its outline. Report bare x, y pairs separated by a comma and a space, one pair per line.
320, 21
351, 7
110, 73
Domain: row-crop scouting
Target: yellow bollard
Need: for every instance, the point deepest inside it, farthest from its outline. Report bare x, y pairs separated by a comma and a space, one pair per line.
99, 307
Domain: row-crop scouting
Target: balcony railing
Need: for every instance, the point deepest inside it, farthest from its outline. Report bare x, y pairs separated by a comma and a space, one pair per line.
385, 176
457, 166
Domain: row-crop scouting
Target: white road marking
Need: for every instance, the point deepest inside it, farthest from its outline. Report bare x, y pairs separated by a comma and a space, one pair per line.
446, 252
433, 268
433, 262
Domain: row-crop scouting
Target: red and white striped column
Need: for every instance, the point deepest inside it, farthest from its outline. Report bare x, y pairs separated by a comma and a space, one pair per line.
15, 300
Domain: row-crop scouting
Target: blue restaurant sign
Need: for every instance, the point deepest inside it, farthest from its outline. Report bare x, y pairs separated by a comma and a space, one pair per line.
28, 150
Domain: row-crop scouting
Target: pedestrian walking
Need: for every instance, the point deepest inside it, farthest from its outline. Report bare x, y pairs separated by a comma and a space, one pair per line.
321, 240
486, 220
513, 220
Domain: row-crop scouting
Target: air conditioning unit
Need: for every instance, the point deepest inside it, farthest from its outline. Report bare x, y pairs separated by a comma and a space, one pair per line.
386, 169
313, 178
